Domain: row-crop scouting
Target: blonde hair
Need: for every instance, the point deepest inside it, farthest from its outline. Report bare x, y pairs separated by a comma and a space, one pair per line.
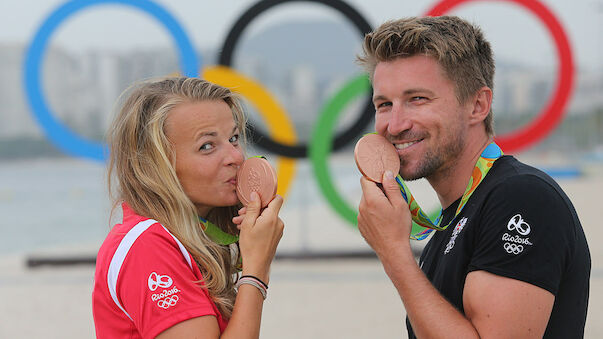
460, 48
142, 160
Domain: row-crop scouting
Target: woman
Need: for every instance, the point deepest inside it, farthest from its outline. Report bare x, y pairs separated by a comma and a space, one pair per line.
168, 269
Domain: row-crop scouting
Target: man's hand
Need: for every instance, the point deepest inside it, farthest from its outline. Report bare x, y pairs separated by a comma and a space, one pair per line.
384, 219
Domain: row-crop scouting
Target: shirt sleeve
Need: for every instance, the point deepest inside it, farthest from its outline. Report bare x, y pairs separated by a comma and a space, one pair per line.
157, 286
526, 233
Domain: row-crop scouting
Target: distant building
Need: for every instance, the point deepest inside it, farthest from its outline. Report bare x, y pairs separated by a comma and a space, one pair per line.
81, 89
14, 110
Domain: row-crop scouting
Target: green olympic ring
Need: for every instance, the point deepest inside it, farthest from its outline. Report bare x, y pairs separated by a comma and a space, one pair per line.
321, 143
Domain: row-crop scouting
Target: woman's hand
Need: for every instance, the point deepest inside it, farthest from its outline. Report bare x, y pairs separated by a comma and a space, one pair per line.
261, 231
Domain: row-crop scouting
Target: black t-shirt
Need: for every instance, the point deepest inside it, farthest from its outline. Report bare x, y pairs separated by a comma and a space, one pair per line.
518, 224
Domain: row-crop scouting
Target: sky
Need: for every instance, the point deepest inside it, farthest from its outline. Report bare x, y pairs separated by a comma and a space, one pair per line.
515, 33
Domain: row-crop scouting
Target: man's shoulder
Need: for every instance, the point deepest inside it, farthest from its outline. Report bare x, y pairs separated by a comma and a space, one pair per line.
509, 166
517, 188
512, 173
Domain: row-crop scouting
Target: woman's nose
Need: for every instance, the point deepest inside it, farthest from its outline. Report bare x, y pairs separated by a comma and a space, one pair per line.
235, 155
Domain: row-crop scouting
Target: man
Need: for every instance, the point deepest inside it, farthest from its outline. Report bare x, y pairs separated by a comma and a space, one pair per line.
514, 262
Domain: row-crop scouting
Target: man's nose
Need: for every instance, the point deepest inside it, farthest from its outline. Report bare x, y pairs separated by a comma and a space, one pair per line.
399, 122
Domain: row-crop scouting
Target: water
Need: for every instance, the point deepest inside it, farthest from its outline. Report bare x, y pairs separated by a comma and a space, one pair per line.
47, 203
62, 203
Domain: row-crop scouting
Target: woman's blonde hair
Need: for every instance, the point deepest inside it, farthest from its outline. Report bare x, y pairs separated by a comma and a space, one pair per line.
142, 160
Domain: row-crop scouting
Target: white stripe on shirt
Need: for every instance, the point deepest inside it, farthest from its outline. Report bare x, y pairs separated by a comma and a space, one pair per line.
122, 251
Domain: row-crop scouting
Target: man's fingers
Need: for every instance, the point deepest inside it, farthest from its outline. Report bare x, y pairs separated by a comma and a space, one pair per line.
370, 191
368, 187
391, 189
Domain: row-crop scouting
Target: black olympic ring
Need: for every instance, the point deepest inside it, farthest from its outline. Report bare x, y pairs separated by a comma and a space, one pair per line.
300, 150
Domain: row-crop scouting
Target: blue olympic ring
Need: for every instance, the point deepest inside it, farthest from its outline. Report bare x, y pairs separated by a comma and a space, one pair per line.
60, 135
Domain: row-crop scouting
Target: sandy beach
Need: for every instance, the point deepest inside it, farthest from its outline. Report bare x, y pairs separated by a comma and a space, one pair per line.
307, 299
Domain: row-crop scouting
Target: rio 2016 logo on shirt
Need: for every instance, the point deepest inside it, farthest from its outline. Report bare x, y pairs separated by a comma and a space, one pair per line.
517, 223
166, 298
157, 280
515, 244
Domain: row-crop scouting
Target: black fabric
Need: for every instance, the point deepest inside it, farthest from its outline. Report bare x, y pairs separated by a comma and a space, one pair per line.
517, 224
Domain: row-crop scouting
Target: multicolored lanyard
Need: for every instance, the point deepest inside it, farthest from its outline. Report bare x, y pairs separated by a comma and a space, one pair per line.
483, 165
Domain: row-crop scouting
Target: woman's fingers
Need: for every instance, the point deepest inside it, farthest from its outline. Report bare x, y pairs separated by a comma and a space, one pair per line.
273, 207
252, 211
238, 220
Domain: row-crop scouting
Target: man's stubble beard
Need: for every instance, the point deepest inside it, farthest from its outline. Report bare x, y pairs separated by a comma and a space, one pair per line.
435, 161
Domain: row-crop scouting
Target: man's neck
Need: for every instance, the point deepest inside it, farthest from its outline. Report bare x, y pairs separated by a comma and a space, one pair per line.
450, 183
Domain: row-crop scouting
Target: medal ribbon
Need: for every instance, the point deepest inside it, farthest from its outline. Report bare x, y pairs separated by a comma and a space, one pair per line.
215, 234
490, 154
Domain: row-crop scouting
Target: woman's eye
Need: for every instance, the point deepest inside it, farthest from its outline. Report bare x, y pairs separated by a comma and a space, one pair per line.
206, 147
418, 98
234, 139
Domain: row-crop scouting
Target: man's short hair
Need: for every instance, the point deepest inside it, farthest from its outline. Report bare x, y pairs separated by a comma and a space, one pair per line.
458, 46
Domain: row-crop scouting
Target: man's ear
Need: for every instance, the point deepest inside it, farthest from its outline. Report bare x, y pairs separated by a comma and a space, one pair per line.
482, 103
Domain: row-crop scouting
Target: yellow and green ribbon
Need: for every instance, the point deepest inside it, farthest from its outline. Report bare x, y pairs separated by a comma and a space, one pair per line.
490, 154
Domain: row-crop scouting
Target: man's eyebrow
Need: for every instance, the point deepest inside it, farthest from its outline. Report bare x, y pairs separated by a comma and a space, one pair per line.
407, 92
379, 97
417, 90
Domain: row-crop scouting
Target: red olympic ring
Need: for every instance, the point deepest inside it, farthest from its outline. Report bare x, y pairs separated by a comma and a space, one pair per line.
554, 110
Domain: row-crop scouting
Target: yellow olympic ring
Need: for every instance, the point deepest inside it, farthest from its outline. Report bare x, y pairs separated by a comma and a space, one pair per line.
279, 126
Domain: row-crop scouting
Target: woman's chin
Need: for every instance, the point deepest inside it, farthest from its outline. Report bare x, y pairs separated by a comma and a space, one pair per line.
206, 207
229, 201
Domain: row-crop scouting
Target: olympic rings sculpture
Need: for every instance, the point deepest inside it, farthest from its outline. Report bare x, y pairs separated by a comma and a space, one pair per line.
282, 139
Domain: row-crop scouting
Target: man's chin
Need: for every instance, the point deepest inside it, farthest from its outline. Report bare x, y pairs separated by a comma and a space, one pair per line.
409, 175
410, 178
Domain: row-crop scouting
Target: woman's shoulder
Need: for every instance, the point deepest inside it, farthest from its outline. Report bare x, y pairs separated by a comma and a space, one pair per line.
142, 238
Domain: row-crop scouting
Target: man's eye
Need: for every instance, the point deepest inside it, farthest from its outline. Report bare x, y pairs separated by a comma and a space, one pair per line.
384, 104
418, 98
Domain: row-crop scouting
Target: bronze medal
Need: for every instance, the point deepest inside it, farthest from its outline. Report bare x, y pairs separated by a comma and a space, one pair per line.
256, 175
374, 155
